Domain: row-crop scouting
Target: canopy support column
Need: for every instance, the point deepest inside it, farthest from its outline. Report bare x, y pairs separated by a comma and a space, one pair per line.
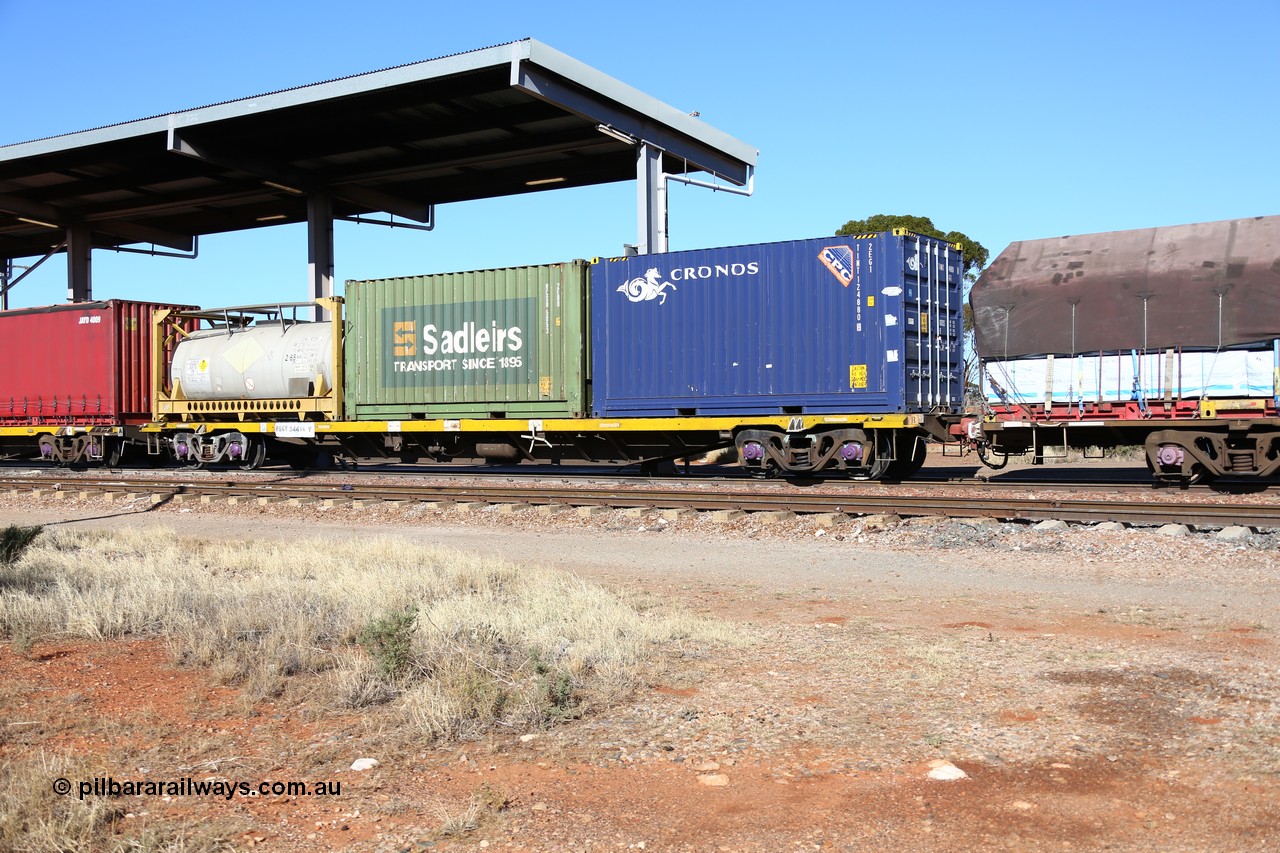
651, 197
79, 267
320, 247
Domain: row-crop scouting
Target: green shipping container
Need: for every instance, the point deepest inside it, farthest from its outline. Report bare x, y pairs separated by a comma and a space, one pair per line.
508, 343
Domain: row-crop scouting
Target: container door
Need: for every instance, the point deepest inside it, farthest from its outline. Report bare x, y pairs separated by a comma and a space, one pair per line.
933, 324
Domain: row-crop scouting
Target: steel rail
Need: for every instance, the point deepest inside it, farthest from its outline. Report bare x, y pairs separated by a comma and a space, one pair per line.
804, 502
1100, 480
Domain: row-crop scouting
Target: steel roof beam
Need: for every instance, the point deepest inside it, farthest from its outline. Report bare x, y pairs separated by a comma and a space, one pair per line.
480, 155
136, 179
701, 157
61, 218
287, 179
33, 209
135, 233
393, 132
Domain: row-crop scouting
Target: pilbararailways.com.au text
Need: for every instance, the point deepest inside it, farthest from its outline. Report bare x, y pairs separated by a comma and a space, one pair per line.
188, 787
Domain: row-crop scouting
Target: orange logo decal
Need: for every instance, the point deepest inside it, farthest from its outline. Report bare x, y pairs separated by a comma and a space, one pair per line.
406, 338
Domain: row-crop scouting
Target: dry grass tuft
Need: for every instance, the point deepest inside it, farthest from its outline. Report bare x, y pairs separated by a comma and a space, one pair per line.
460, 642
454, 644
485, 805
14, 540
33, 817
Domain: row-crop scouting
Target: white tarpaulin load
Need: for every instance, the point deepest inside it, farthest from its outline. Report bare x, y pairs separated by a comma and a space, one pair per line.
1124, 376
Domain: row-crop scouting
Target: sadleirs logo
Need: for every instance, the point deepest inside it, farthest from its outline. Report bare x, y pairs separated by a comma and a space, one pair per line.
839, 260
647, 288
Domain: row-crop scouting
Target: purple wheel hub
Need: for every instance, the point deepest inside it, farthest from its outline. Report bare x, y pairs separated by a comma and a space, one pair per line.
851, 451
1170, 454
752, 451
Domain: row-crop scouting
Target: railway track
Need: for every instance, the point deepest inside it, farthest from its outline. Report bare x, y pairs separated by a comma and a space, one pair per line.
1052, 478
759, 497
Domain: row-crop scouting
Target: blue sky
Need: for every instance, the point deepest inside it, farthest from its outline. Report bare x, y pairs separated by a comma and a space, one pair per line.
1006, 121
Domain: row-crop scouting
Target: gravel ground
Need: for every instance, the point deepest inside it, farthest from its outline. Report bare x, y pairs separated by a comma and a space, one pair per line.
1129, 568
1099, 688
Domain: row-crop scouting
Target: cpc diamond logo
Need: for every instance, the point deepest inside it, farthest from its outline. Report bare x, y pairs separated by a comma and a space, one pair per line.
839, 260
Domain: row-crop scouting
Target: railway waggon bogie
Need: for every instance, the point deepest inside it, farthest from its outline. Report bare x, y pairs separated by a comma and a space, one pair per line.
65, 444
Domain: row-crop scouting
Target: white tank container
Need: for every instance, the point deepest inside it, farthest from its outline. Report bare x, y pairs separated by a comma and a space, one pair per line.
265, 361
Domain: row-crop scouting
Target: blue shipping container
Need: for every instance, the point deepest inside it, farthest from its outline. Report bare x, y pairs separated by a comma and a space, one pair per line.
868, 324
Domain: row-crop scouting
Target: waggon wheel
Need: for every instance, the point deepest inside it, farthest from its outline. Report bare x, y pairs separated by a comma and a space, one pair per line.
1200, 474
875, 471
182, 450
902, 469
112, 451
880, 462
48, 449
255, 454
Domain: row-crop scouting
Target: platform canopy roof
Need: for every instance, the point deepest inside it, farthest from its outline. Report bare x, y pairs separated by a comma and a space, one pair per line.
514, 118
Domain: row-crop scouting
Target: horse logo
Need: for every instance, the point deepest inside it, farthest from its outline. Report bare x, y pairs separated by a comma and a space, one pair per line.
646, 288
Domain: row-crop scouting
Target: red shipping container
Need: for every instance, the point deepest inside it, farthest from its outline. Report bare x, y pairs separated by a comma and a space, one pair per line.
83, 364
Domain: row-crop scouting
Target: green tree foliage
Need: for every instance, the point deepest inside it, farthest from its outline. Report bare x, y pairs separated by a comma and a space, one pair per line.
975, 254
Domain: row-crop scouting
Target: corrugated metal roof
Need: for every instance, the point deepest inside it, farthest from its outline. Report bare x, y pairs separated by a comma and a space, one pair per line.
263, 95
468, 125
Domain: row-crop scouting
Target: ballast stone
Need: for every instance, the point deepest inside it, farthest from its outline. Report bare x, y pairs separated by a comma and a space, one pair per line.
945, 771
1051, 525
1235, 533
1174, 530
